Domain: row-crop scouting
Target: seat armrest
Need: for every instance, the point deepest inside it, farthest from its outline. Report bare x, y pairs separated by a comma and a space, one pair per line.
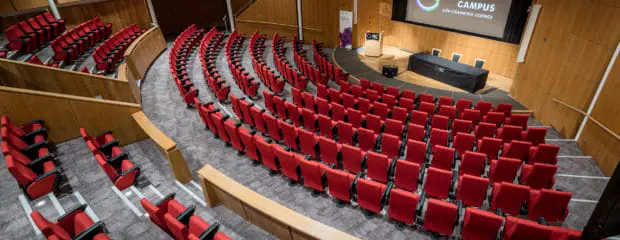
79, 208
166, 198
499, 212
37, 162
542, 221
209, 234
116, 160
459, 209
29, 137
186, 215
32, 150
90, 232
104, 133
386, 194
353, 188
107, 148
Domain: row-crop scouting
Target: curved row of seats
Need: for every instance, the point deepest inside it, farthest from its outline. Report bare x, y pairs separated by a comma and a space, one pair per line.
321, 60
112, 51
234, 56
292, 76
180, 53
208, 52
303, 64
75, 224
263, 71
344, 186
27, 36
179, 221
69, 46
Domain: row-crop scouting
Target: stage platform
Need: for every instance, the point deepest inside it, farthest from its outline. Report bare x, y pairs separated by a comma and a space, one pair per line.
359, 66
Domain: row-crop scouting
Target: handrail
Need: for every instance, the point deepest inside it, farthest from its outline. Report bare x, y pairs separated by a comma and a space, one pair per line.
605, 128
589, 117
569, 106
66, 96
154, 133
136, 42
264, 212
277, 24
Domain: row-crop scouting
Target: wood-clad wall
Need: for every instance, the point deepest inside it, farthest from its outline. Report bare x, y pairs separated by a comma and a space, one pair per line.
375, 16
66, 114
43, 78
571, 46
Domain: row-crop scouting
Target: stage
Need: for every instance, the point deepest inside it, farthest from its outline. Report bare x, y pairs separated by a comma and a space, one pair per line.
360, 66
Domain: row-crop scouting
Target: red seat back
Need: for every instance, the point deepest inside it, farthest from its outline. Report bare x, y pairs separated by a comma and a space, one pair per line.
550, 204
472, 163
370, 195
438, 182
406, 175
517, 228
403, 206
339, 183
416, 151
352, 158
472, 190
440, 217
509, 197
480, 224
504, 169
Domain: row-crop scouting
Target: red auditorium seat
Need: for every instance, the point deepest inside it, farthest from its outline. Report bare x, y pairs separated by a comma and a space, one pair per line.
391, 145
505, 108
247, 112
355, 118
518, 120
389, 100
308, 142
461, 126
489, 146
203, 112
380, 109
367, 139
516, 229
346, 132
340, 184
269, 104
33, 147
416, 151
157, 210
371, 195
438, 183
310, 121
445, 101
356, 90
509, 133
338, 111
273, 127
379, 166
363, 105
438, 137
198, 229
516, 149
496, 118
258, 118
480, 224
247, 139
41, 180
20, 41
560, 233
462, 104
538, 175
534, 135
218, 120
484, 107
348, 100
441, 217
353, 158
314, 174
543, 153
372, 95
425, 97
334, 95
392, 91
410, 94
266, 154
377, 87
297, 98
400, 114
326, 126
403, 206
447, 111
416, 132
549, 204
104, 141
472, 190
365, 83
281, 110
374, 122
406, 175
75, 224
509, 197
443, 157
483, 130
294, 113
472, 163
407, 103
323, 107
289, 133
427, 107
122, 172
329, 150
463, 142
471, 115
25, 131
288, 163
504, 169
231, 128
440, 122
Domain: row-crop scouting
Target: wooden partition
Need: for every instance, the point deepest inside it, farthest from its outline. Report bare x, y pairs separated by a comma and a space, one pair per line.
66, 114
143, 51
49, 79
166, 146
274, 218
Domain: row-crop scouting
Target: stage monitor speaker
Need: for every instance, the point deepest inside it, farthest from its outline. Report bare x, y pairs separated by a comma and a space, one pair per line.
390, 71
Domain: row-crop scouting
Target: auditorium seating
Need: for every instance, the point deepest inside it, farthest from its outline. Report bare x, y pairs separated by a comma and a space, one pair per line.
111, 52
265, 73
75, 224
71, 45
115, 163
307, 69
234, 55
324, 65
29, 35
180, 52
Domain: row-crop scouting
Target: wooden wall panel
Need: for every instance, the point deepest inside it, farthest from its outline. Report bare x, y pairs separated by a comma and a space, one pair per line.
43, 78
143, 51
570, 49
6, 6
66, 114
601, 145
607, 108
21, 5
120, 13
375, 15
321, 20
269, 16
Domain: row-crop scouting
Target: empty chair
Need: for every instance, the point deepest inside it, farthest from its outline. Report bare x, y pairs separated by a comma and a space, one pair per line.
472, 190
289, 133
345, 133
406, 175
485, 130
409, 94
348, 100
463, 142
353, 158
534, 135
41, 180
496, 118
447, 111
445, 100
309, 101
392, 91
419, 118
273, 127
399, 114
438, 137
440, 122
297, 98
293, 112
480, 224
308, 142
472, 163
323, 107
367, 139
504, 169
371, 95
122, 172
416, 132
326, 126
258, 118
309, 119
518, 120
438, 183
509, 133
489, 146
561, 233
280, 105
355, 118
471, 115
484, 107
374, 122
103, 141
391, 145
505, 108
247, 139
28, 130
267, 155
549, 204
407, 103
340, 184
443, 157
403, 206
427, 107
199, 229
516, 149
441, 217
329, 150
516, 229
288, 163
339, 113
72, 225
371, 195
425, 97
231, 128
460, 126
380, 109
416, 151
538, 175
509, 197
380, 166
393, 127
462, 104
314, 174
166, 205
543, 153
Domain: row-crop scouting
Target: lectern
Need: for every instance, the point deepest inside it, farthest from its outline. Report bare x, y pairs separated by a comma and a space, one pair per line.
373, 47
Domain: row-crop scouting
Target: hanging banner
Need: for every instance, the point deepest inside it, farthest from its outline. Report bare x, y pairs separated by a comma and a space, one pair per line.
346, 29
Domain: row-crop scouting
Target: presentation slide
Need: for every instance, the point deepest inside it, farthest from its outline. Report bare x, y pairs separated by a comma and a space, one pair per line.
480, 17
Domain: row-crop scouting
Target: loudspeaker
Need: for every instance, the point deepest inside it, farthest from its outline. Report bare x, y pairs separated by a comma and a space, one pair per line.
390, 71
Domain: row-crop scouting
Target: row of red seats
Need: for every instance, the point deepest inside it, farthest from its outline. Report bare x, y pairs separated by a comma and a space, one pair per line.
303, 64
114, 162
321, 60
180, 53
26, 36
264, 72
29, 157
208, 52
72, 44
75, 224
292, 76
341, 185
112, 51
179, 221
234, 56
36, 60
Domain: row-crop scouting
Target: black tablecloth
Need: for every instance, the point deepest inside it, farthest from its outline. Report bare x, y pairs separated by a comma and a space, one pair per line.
460, 75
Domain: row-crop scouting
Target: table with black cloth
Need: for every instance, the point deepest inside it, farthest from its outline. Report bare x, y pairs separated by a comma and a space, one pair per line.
463, 76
